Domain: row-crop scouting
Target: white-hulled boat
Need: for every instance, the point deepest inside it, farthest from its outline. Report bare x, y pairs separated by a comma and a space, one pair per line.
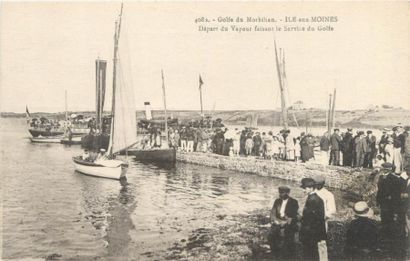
123, 122
111, 169
47, 139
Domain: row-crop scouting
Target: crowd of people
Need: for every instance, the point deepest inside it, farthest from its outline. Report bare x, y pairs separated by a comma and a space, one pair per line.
362, 150
365, 240
365, 150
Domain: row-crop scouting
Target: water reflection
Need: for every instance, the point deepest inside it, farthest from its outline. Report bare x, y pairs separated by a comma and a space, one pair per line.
50, 209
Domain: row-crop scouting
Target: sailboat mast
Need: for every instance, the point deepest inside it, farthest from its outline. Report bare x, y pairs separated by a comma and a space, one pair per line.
333, 108
329, 116
114, 77
65, 102
282, 91
200, 96
165, 106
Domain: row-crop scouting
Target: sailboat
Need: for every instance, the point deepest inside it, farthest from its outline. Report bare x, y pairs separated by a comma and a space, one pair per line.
123, 123
164, 154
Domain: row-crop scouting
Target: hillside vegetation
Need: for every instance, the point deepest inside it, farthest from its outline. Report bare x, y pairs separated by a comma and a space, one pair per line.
311, 117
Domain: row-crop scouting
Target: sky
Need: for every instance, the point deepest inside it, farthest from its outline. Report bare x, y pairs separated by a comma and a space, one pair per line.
47, 48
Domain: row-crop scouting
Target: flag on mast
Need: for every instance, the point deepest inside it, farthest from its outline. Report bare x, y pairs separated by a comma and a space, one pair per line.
200, 82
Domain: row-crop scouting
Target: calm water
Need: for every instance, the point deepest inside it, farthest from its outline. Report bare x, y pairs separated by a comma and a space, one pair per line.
50, 211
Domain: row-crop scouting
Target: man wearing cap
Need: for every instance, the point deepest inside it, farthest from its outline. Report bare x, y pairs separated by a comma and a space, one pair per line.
347, 148
398, 148
383, 142
313, 228
361, 235
284, 218
335, 141
361, 149
388, 196
326, 196
371, 150
183, 138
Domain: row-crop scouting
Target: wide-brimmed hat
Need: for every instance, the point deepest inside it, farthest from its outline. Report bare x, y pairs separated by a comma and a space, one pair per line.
307, 182
361, 209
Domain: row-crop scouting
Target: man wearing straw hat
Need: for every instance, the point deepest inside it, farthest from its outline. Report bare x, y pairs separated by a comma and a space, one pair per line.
361, 235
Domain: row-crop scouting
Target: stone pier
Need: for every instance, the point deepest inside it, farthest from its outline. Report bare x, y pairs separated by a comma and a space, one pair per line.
336, 177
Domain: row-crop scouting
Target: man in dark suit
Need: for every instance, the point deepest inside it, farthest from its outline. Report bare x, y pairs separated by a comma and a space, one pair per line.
347, 148
390, 195
335, 141
371, 150
313, 228
284, 221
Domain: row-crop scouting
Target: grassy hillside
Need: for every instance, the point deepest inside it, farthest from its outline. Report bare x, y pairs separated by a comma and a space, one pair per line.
311, 117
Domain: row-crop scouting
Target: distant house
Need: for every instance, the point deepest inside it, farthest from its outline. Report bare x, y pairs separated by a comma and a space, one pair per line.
298, 105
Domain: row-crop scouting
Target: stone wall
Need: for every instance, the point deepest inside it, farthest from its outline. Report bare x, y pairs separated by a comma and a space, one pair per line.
336, 177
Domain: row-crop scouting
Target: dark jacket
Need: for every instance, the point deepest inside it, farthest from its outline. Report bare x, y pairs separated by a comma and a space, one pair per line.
389, 187
347, 143
371, 144
324, 143
361, 238
291, 210
335, 141
313, 227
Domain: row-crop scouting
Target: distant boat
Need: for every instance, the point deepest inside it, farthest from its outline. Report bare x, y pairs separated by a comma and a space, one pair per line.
163, 154
167, 155
123, 124
47, 139
45, 131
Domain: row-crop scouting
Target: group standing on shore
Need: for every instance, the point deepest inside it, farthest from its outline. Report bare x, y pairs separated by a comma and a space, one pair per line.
364, 239
363, 150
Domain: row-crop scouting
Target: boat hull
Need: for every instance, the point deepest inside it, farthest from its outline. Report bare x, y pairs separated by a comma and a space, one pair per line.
53, 139
74, 141
36, 133
48, 133
154, 155
98, 170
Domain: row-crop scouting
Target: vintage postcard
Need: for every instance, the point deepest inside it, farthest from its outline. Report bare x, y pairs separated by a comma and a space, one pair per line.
182, 130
